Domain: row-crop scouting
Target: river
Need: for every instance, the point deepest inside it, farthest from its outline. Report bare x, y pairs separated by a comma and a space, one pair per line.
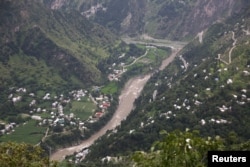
130, 92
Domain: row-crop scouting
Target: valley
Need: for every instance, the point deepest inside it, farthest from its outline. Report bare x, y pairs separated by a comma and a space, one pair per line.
123, 83
130, 92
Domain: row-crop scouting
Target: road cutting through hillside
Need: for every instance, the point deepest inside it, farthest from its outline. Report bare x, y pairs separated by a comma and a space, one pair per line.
231, 50
130, 92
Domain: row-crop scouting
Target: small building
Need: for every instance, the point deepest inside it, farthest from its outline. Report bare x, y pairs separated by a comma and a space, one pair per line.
36, 117
98, 114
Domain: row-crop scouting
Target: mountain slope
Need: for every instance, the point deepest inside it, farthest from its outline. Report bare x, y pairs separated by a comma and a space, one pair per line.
206, 88
161, 19
42, 51
62, 45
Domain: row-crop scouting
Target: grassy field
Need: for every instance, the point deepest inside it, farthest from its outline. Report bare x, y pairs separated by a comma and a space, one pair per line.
157, 55
111, 88
82, 109
28, 133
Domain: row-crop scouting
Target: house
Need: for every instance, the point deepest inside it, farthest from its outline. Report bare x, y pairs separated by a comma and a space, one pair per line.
203, 122
16, 99
59, 121
244, 90
36, 117
32, 103
71, 115
98, 114
246, 73
10, 96
106, 104
47, 96
22, 90
223, 108
32, 94
197, 103
229, 81
38, 110
100, 98
103, 107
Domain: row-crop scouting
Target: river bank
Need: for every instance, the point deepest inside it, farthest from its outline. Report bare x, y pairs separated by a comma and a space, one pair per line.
130, 92
128, 95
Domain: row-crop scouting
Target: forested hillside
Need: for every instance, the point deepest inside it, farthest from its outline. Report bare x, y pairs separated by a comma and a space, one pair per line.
62, 67
47, 58
206, 88
159, 18
30, 29
45, 50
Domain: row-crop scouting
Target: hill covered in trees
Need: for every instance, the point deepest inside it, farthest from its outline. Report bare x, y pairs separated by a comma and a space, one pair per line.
63, 44
206, 88
43, 51
158, 18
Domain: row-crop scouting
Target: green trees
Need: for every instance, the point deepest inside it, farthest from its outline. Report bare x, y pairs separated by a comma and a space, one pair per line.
178, 149
23, 155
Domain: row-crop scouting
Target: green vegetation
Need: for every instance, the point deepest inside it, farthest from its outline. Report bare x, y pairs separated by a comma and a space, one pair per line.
29, 71
111, 88
46, 50
178, 149
29, 132
210, 96
182, 149
174, 149
82, 109
157, 54
23, 155
156, 18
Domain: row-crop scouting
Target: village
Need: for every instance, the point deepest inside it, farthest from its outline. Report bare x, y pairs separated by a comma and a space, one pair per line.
185, 104
58, 115
55, 114
188, 105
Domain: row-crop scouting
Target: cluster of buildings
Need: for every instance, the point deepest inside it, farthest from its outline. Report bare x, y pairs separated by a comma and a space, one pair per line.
7, 128
116, 74
103, 103
117, 70
78, 157
93, 10
54, 115
241, 97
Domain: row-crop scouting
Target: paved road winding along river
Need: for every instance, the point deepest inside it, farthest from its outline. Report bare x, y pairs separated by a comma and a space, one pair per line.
130, 92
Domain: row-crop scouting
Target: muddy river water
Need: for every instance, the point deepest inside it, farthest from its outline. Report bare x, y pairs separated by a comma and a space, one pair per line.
130, 92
